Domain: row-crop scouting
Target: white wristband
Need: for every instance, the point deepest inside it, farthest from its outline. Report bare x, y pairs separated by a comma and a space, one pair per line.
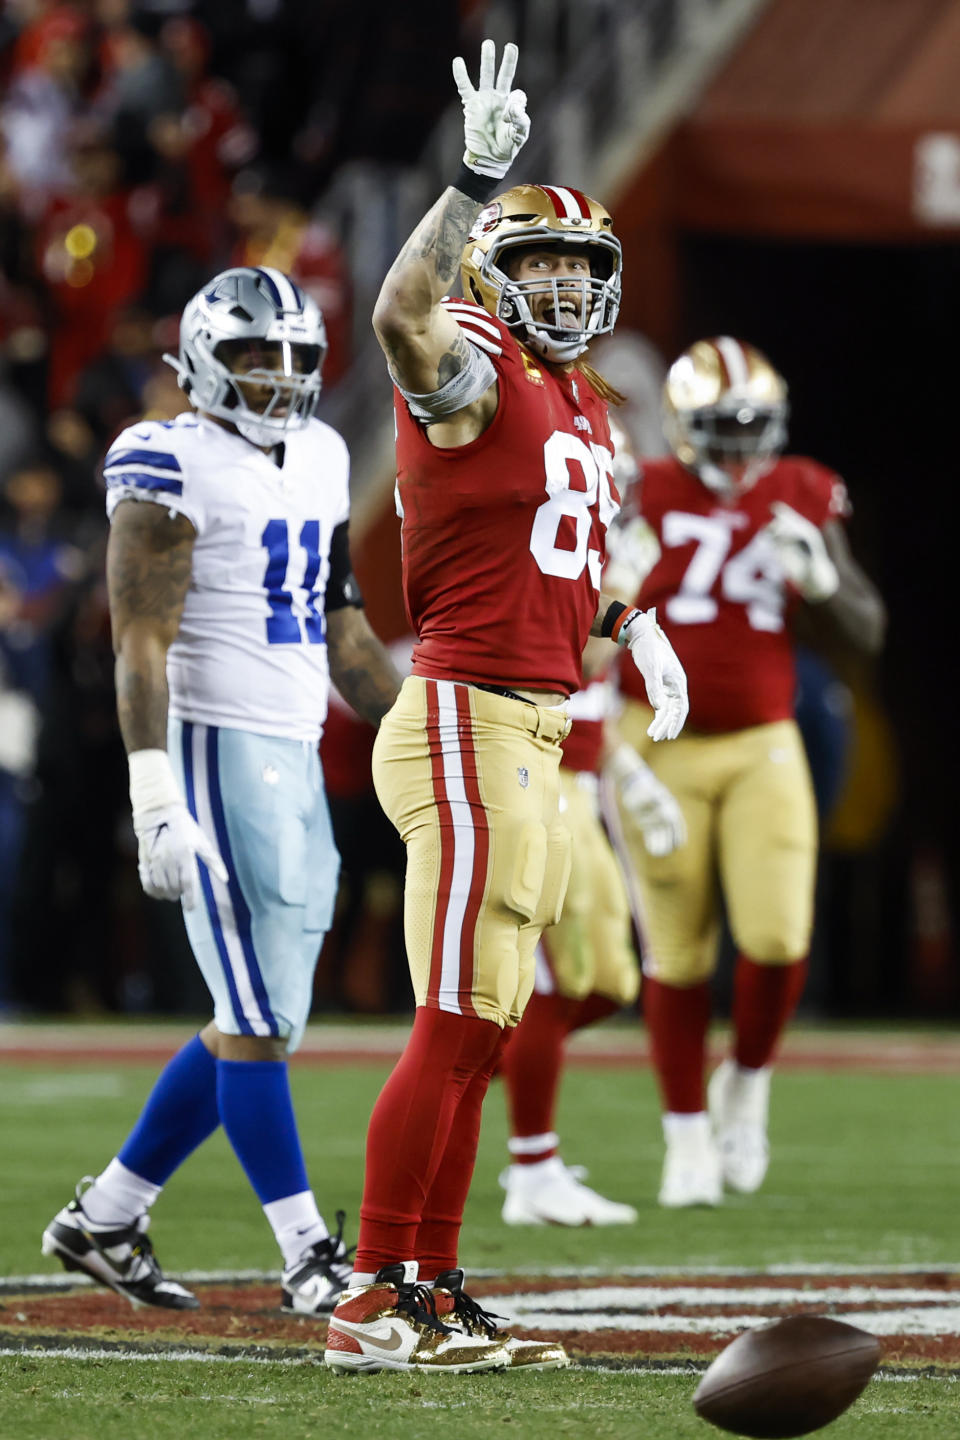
152, 781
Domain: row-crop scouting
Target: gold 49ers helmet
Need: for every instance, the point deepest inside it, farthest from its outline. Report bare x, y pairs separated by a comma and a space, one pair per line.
725, 413
541, 215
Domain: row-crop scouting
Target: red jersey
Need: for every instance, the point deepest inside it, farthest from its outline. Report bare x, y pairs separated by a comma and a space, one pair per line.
719, 589
504, 538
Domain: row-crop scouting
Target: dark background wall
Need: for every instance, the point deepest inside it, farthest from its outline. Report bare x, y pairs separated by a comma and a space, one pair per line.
867, 337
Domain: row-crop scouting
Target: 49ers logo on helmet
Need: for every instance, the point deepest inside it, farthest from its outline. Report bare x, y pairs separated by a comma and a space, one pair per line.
487, 220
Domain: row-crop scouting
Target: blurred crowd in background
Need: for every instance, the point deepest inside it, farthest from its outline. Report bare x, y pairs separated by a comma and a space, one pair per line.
142, 147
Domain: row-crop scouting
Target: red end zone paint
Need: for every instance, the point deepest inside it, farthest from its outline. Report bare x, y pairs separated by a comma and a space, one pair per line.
622, 1320
886, 1057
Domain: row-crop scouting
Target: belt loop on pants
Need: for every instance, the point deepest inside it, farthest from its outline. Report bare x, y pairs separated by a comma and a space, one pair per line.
551, 725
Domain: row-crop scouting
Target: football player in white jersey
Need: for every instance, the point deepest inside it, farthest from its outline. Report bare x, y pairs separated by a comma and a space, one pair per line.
232, 605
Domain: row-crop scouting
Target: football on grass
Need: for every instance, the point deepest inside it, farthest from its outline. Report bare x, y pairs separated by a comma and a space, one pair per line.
787, 1378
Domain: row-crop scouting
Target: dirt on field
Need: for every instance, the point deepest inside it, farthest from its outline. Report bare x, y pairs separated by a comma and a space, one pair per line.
613, 1321
616, 1046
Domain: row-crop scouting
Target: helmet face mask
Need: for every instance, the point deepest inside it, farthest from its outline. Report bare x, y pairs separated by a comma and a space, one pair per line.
252, 344
545, 218
725, 413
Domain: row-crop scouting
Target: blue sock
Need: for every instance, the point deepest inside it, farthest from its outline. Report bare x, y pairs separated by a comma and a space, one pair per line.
181, 1111
256, 1111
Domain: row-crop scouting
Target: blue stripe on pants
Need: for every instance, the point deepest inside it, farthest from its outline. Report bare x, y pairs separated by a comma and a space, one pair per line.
241, 910
214, 916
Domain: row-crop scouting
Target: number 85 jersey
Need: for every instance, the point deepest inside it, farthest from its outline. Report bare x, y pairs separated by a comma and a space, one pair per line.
720, 591
251, 650
504, 538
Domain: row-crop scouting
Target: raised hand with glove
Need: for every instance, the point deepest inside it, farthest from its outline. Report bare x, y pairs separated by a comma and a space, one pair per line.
495, 120
170, 840
648, 803
656, 659
802, 552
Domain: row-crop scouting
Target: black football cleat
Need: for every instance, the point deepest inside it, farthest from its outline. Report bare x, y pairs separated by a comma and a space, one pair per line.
315, 1283
120, 1257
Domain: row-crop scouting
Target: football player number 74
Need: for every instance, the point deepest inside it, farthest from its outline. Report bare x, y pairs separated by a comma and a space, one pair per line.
752, 577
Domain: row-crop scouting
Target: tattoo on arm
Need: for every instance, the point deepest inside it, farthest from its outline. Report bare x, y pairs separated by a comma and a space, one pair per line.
438, 241
360, 667
149, 559
423, 345
453, 361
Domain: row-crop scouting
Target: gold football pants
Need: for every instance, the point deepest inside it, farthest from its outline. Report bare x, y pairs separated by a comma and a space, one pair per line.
470, 780
590, 949
751, 820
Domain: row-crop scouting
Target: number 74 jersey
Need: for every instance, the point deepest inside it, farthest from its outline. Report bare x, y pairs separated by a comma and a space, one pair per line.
720, 591
251, 650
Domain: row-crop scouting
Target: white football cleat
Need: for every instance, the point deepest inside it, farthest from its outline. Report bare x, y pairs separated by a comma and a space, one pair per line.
691, 1166
393, 1325
739, 1102
548, 1194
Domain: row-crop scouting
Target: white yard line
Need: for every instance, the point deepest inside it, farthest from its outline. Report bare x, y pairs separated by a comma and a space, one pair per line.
75, 1352
560, 1272
80, 1352
944, 1321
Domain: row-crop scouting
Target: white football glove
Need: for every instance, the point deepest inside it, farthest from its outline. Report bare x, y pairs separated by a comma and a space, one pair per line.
664, 676
648, 803
495, 119
802, 552
170, 840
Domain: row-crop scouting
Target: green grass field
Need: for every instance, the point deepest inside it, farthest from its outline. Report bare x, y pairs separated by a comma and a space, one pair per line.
865, 1172
93, 1400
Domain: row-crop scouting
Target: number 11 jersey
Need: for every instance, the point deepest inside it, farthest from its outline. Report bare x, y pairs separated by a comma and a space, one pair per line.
250, 653
504, 538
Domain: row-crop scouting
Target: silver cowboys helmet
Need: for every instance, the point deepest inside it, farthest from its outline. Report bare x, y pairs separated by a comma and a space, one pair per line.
249, 310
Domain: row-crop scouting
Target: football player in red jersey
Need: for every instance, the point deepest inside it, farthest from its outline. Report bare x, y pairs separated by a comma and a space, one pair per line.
504, 486
744, 537
586, 965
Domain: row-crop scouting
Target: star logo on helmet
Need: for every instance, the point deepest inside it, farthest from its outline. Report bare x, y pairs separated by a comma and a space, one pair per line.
227, 289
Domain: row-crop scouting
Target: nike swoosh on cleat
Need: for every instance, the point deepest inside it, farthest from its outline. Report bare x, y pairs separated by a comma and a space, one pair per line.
358, 1332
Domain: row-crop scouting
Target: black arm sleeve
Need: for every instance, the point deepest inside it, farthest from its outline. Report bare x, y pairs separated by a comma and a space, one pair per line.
342, 588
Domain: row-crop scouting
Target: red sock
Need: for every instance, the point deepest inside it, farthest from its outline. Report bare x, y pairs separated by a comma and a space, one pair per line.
764, 998
531, 1066
677, 1020
410, 1128
591, 1009
438, 1234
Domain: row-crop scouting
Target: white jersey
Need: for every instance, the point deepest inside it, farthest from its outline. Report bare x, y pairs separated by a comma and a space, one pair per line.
251, 650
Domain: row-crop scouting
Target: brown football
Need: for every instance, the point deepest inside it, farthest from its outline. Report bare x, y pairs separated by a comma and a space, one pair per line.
787, 1378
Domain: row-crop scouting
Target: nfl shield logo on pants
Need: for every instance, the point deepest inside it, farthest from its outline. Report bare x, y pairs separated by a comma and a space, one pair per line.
523, 775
